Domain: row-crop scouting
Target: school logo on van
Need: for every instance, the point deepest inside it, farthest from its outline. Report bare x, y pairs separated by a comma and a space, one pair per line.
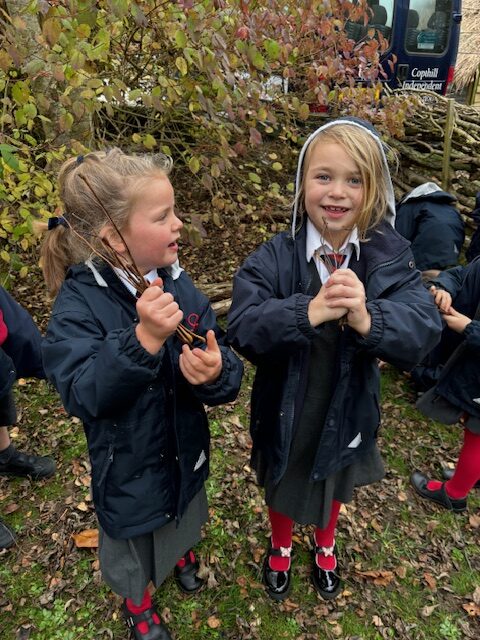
425, 73
424, 79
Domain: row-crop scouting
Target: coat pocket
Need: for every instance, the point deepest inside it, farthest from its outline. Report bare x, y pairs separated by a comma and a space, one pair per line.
102, 479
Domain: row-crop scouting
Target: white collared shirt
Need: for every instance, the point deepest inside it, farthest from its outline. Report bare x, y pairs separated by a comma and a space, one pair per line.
149, 277
314, 249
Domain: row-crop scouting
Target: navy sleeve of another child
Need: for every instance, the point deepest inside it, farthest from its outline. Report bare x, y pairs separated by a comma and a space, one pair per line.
24, 339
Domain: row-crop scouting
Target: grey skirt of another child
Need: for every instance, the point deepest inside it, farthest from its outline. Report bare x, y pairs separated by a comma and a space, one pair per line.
128, 566
308, 502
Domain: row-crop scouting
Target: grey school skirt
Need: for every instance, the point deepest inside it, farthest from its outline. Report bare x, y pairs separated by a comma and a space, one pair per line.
128, 566
307, 502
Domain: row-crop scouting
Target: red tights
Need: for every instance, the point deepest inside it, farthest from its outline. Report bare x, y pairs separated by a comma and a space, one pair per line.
143, 606
282, 527
147, 600
467, 471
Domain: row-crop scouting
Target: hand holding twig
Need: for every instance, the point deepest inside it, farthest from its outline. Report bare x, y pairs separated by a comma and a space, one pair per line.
344, 290
320, 311
159, 316
202, 366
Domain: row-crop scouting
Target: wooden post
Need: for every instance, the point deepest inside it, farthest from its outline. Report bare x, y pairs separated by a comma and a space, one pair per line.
447, 145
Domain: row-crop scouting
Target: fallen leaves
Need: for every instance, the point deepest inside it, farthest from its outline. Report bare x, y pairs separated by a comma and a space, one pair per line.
86, 539
213, 622
381, 578
430, 580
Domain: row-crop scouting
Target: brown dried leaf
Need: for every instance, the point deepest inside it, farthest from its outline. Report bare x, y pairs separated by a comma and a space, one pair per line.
88, 538
213, 622
474, 521
11, 508
476, 596
430, 580
381, 578
401, 571
375, 525
428, 610
471, 608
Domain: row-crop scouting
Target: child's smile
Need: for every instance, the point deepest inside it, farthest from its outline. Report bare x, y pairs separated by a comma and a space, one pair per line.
333, 191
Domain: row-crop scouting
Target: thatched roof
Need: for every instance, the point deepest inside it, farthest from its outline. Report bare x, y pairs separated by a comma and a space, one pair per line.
468, 60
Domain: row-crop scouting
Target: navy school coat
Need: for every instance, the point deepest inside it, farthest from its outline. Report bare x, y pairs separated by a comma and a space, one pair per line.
462, 386
146, 426
268, 324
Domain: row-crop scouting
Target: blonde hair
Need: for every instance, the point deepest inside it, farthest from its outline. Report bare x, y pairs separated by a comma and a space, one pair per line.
107, 177
365, 151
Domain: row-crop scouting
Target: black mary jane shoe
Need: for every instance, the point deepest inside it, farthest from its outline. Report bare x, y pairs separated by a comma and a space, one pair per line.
278, 583
449, 473
419, 482
327, 583
155, 631
186, 576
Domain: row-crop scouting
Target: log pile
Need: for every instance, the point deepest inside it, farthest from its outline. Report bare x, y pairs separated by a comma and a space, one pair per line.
421, 150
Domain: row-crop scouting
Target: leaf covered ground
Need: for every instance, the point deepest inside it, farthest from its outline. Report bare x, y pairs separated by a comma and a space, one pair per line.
411, 570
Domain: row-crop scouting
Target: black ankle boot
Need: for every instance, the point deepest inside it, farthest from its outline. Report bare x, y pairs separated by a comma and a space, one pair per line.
277, 582
186, 576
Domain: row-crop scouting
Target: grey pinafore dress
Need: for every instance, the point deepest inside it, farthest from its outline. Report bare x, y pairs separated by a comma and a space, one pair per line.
128, 566
296, 496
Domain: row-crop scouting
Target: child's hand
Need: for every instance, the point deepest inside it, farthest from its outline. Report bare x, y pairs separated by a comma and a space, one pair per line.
202, 366
456, 321
442, 298
159, 316
344, 290
320, 311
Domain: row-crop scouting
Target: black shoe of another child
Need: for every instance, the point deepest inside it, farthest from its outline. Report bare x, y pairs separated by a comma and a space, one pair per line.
15, 463
7, 537
449, 473
419, 482
156, 631
186, 577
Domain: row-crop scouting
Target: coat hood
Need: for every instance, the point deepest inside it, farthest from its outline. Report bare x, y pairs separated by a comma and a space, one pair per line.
428, 190
366, 126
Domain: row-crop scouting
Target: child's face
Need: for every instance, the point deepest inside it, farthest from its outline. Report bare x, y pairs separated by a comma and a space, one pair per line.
333, 192
153, 229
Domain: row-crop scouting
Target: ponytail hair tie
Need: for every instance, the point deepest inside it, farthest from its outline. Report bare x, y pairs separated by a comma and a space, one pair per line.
55, 221
80, 159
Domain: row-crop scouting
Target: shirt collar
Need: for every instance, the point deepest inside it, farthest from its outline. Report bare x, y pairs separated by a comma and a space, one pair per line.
149, 277
315, 241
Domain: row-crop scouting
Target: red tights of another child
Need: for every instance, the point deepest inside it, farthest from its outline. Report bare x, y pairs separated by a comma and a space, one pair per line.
467, 471
282, 527
143, 606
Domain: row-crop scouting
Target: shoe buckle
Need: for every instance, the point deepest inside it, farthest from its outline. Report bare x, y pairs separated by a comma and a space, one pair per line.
285, 552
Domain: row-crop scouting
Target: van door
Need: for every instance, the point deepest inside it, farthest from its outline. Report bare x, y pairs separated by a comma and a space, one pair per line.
425, 36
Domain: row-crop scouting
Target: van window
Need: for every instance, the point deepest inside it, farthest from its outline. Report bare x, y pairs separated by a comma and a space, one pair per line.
428, 26
380, 18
